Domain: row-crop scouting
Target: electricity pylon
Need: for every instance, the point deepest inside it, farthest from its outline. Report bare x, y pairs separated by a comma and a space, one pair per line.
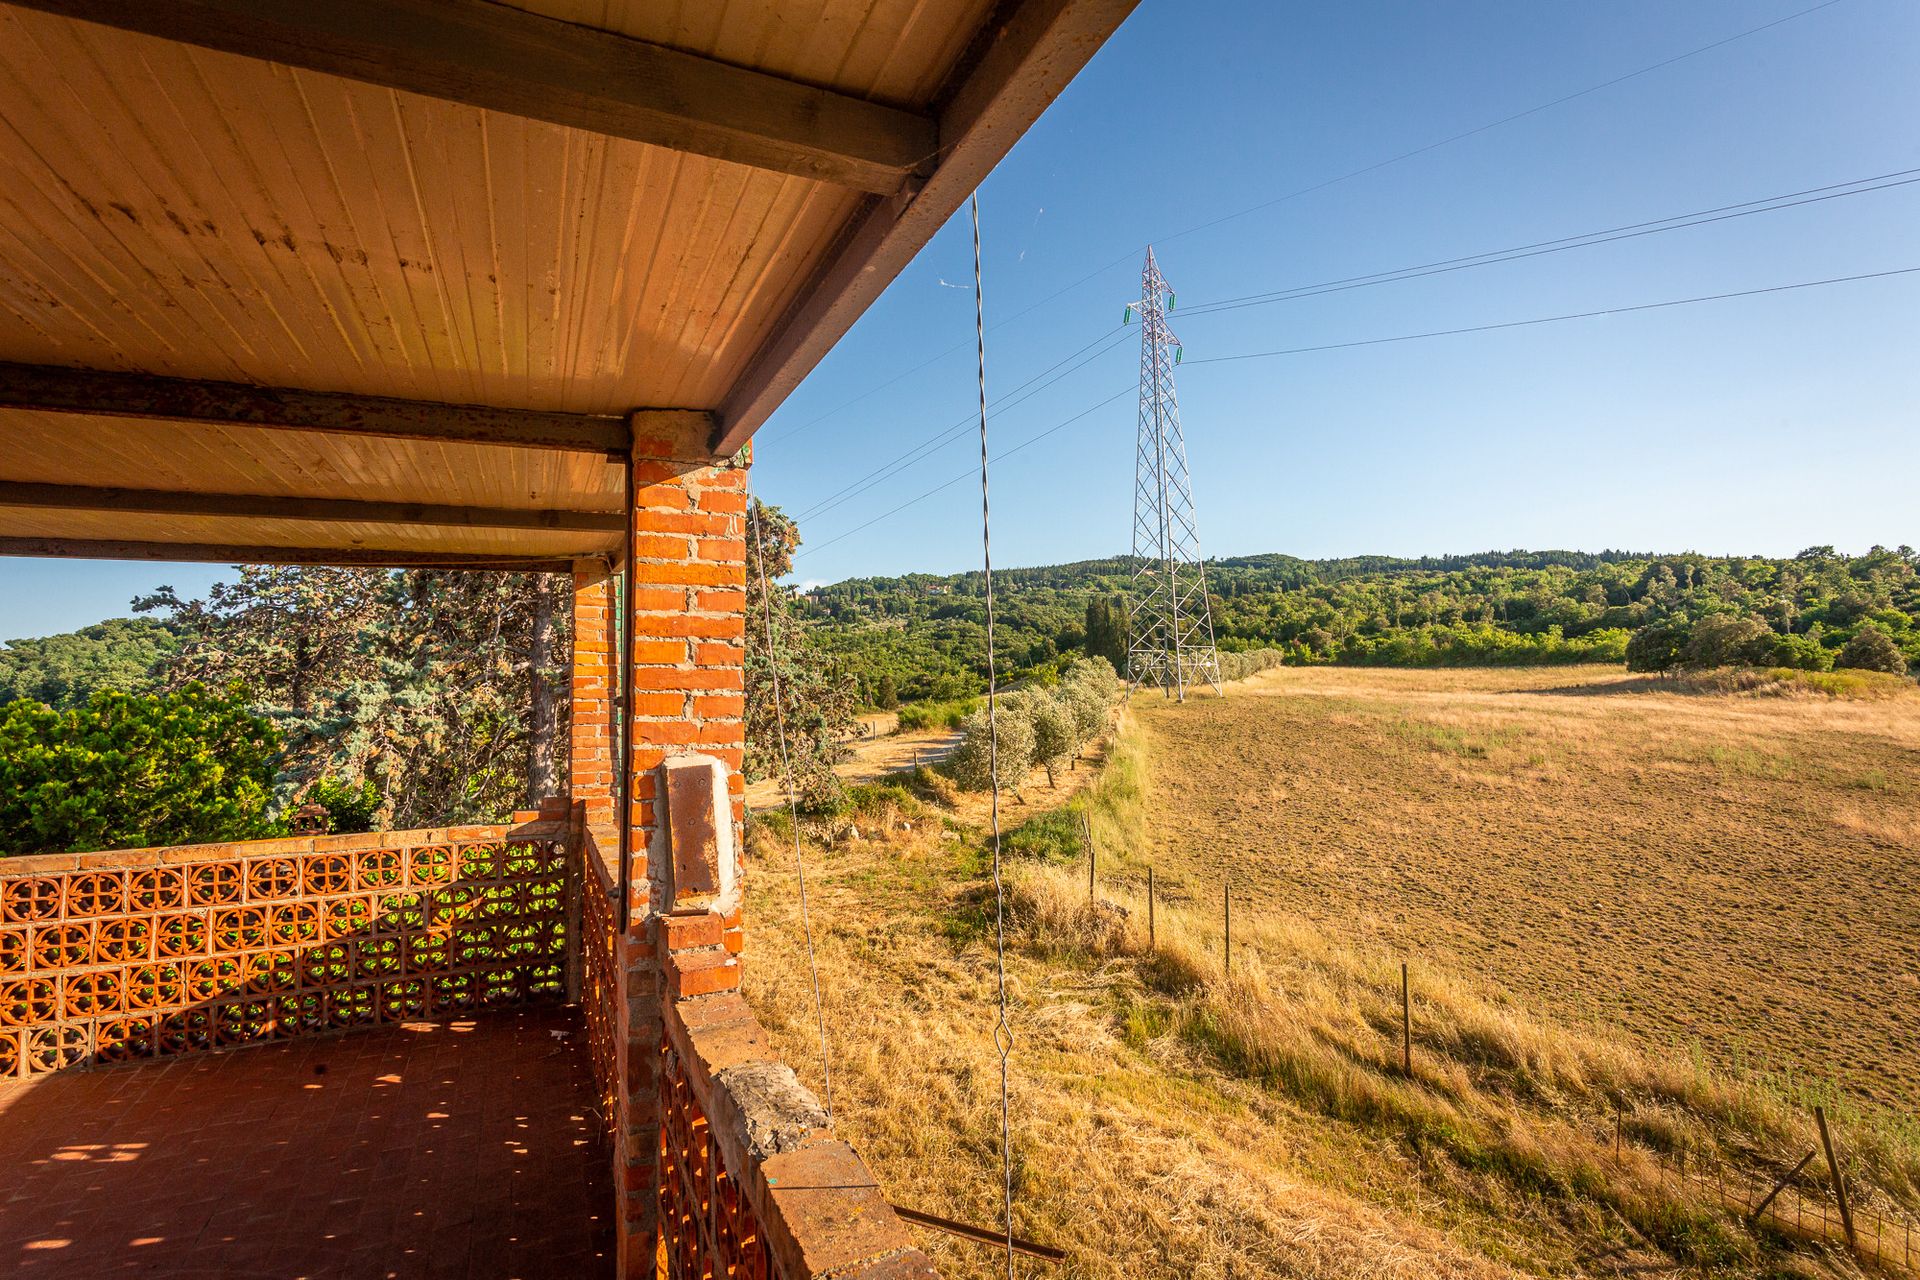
1170, 624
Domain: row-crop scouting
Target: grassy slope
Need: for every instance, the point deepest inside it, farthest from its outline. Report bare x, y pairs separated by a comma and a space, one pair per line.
1171, 1121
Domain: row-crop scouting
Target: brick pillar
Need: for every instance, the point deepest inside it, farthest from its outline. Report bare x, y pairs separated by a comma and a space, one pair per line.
590, 761
687, 590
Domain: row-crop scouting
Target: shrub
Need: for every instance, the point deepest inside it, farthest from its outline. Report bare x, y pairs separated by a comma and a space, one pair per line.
1088, 709
1872, 649
122, 771
1250, 662
1096, 674
937, 715
349, 808
1090, 689
1799, 653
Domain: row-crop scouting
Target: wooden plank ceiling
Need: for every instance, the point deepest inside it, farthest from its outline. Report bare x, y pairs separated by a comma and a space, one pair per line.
416, 200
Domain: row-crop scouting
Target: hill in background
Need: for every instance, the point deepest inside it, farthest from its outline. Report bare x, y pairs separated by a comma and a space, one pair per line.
923, 636
64, 670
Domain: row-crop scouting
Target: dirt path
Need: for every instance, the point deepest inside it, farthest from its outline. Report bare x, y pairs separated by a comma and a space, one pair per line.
869, 758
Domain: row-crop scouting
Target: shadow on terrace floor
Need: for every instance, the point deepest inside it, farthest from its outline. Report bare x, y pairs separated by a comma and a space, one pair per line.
465, 1148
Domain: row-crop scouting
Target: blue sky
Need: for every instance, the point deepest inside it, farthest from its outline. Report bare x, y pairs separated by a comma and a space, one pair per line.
1756, 425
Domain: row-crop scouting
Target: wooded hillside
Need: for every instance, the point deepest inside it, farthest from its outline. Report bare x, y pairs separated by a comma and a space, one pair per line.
924, 636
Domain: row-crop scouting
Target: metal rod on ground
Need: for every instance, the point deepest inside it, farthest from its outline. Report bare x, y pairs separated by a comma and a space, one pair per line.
1150, 937
981, 1234
1839, 1185
1406, 1022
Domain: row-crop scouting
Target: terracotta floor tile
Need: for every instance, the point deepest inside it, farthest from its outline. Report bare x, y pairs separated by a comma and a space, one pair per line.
421, 1151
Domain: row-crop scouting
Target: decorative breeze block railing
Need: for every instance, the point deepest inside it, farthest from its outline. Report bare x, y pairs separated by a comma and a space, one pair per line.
601, 988
706, 1223
118, 956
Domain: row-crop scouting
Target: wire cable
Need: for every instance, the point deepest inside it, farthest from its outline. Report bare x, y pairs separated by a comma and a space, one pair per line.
1572, 315
1675, 222
1363, 342
1540, 248
1131, 254
1030, 441
793, 798
933, 443
1503, 120
1002, 1032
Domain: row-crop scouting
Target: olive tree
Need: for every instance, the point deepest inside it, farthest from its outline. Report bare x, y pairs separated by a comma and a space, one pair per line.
1056, 732
1012, 758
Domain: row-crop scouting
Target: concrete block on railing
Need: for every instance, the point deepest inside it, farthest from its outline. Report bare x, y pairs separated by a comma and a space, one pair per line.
695, 861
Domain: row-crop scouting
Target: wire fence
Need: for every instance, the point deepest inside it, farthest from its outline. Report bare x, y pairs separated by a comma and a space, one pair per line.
1801, 1204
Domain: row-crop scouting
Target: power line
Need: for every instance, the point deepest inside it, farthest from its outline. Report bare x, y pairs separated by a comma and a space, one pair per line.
1504, 120
931, 444
1491, 257
1609, 235
1364, 342
1130, 254
1127, 390
1573, 315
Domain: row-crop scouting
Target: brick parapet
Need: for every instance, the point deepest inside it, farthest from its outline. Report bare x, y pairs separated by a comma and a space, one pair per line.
692, 1062
738, 1113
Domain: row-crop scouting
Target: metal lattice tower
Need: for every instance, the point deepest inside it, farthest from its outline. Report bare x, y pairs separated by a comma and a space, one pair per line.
1170, 625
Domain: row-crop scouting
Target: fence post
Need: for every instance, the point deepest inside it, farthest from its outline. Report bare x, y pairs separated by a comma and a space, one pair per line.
1406, 1023
1839, 1185
1086, 832
1150, 938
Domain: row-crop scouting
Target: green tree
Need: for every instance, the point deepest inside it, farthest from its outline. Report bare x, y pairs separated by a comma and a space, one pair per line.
887, 695
1802, 653
1872, 649
126, 771
423, 682
1055, 734
348, 807
65, 670
1727, 640
1106, 631
816, 694
1658, 646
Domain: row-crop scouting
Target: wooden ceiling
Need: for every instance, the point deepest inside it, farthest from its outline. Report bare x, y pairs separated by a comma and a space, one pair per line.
406, 267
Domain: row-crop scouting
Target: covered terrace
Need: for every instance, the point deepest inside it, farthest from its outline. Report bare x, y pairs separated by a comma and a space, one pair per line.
471, 285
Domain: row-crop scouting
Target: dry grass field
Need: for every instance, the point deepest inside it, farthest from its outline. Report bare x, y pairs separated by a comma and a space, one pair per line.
1590, 878
1734, 871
